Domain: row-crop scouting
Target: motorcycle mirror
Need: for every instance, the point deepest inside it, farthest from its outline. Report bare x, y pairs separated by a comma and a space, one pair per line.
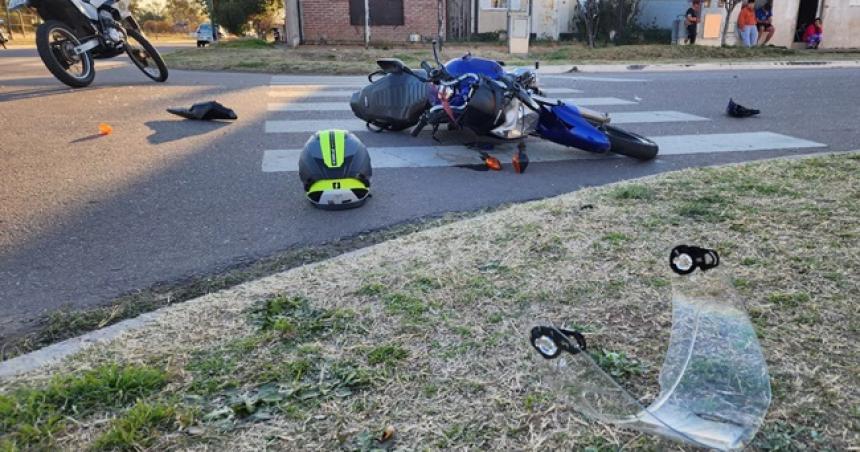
435, 53
391, 65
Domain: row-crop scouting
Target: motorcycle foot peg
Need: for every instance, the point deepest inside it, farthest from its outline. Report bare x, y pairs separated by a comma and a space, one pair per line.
520, 162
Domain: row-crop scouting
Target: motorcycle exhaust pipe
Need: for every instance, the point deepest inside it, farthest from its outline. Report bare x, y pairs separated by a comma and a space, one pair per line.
594, 116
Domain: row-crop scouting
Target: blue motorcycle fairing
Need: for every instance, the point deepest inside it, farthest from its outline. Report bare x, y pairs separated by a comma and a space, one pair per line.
461, 93
564, 125
469, 64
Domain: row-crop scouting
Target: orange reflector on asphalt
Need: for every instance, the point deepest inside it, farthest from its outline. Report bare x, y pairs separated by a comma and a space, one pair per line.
492, 163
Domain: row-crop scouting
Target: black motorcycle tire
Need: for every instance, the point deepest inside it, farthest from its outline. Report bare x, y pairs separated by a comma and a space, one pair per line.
630, 144
156, 57
43, 45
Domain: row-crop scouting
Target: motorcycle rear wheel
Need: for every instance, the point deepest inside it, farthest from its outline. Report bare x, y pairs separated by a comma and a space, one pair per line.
630, 144
147, 59
55, 42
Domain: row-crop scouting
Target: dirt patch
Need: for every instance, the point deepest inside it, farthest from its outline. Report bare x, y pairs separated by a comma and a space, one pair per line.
425, 336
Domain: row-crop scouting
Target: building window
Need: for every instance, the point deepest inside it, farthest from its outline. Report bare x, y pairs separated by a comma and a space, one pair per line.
500, 4
382, 12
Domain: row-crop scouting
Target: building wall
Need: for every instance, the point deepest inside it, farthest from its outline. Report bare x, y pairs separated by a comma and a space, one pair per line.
328, 21
545, 18
784, 21
491, 20
662, 13
841, 21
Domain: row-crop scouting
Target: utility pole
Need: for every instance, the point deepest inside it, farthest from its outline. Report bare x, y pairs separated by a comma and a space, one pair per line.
366, 24
211, 6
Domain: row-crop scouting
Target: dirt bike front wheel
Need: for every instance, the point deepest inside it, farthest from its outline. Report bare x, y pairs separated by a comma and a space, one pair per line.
144, 56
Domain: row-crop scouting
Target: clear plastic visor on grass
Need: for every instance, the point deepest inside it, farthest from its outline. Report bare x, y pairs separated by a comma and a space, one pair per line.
714, 384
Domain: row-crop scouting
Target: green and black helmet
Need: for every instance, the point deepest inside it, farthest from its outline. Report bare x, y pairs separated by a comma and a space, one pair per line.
335, 170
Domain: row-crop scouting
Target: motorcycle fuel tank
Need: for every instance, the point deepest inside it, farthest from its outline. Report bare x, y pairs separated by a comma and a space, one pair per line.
468, 64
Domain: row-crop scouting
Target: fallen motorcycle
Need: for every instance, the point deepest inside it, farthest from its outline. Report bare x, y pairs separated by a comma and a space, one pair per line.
478, 95
75, 32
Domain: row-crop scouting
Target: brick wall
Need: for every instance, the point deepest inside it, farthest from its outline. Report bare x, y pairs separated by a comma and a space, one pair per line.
328, 21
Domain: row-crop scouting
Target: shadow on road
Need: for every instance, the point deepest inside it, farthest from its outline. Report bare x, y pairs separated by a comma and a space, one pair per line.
94, 136
167, 131
33, 93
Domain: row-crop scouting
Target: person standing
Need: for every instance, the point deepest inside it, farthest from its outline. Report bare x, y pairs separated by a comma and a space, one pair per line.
691, 20
747, 25
764, 17
813, 33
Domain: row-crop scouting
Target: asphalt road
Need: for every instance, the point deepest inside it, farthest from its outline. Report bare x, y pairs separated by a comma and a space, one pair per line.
86, 218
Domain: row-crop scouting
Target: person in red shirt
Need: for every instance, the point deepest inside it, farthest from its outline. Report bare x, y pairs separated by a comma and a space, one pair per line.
747, 24
813, 33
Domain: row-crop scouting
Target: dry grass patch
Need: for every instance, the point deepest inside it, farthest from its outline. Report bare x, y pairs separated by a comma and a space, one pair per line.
258, 56
428, 332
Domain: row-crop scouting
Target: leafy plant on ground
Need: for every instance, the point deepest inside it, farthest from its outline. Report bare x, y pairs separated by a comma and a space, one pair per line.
303, 385
296, 320
617, 364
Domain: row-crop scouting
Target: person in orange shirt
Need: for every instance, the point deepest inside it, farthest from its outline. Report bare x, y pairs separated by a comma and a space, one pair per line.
747, 24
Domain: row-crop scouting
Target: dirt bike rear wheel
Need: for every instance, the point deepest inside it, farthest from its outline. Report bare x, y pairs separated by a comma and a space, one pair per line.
56, 42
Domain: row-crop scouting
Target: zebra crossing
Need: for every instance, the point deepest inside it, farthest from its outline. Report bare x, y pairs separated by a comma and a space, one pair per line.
296, 104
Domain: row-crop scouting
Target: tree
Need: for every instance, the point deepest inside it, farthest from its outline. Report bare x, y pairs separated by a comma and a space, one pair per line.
183, 12
235, 14
588, 12
730, 6
620, 16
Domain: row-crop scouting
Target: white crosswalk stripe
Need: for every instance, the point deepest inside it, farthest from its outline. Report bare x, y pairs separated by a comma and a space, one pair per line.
344, 106
544, 151
298, 94
595, 79
309, 91
357, 125
327, 80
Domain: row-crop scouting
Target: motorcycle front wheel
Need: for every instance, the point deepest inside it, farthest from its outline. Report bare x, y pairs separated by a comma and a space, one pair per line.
56, 44
630, 144
144, 56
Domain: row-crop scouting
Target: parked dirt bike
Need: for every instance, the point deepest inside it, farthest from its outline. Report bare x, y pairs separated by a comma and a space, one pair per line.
479, 95
75, 32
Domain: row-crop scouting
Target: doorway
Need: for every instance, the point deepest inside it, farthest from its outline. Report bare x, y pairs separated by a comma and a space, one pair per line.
806, 14
459, 20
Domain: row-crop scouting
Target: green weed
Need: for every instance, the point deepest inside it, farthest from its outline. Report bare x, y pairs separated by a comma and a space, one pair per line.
633, 191
141, 426
30, 418
387, 354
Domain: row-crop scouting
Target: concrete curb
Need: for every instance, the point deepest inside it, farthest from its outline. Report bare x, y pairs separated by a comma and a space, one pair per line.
61, 350
676, 67
56, 352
